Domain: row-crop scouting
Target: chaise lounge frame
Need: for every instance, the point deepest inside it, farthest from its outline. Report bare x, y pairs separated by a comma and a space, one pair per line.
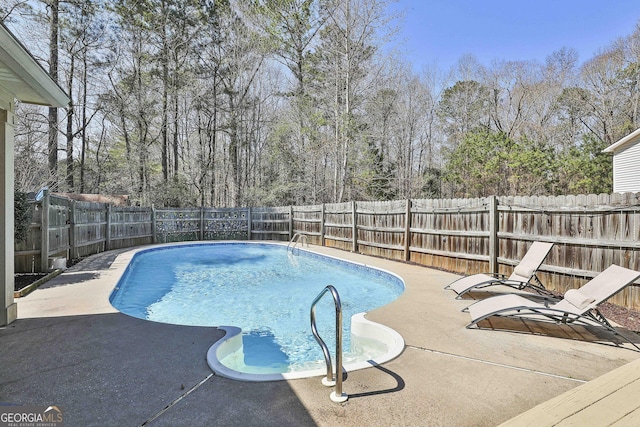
593, 293
523, 275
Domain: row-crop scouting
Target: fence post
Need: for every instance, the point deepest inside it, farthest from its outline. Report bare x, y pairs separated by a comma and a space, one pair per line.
44, 233
354, 229
107, 230
407, 231
322, 224
249, 224
201, 223
290, 222
73, 250
154, 239
493, 234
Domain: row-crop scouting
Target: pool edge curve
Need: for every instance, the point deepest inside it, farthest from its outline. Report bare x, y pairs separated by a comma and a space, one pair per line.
360, 327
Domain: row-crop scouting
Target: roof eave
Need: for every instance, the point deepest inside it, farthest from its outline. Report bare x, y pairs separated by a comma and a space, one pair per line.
17, 59
615, 146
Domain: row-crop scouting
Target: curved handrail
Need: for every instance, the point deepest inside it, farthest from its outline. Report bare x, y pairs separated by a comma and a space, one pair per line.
293, 239
297, 238
337, 395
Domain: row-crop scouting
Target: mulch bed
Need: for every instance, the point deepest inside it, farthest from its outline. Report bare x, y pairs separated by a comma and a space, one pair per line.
23, 280
630, 319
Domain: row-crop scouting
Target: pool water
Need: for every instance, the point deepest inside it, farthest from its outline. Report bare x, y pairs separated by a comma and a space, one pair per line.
263, 289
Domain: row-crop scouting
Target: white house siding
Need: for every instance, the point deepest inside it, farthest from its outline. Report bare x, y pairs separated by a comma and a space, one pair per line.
626, 169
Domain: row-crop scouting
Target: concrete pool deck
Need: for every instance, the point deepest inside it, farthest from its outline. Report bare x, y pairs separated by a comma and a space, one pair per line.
70, 348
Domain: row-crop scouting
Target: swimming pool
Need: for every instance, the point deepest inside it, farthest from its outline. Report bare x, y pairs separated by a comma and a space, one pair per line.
260, 294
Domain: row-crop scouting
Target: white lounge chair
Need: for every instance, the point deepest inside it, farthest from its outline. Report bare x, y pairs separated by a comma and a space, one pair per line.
579, 306
521, 278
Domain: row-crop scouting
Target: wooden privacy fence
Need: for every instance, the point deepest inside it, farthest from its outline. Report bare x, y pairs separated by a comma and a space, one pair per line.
72, 229
461, 235
589, 232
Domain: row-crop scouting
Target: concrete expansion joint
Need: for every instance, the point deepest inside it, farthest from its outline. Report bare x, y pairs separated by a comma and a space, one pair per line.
182, 396
488, 362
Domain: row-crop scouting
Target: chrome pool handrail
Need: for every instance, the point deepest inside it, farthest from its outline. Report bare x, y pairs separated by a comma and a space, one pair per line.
297, 238
337, 395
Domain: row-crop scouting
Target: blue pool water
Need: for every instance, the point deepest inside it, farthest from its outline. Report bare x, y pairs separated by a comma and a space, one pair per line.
261, 288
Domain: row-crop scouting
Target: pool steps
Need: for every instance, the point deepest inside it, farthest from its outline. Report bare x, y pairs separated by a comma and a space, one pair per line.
364, 334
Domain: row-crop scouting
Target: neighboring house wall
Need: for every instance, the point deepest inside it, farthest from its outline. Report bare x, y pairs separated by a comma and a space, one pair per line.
626, 168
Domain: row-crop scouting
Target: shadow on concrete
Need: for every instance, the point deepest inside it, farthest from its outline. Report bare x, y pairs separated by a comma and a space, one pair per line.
399, 384
594, 334
70, 278
84, 270
100, 261
115, 370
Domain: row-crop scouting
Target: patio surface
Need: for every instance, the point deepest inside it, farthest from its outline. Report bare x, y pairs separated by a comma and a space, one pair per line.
70, 348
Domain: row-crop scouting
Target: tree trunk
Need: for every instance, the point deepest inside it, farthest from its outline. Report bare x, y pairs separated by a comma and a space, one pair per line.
165, 107
69, 133
83, 150
53, 111
176, 139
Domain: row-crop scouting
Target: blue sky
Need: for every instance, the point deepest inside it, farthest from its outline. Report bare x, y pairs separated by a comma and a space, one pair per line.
439, 32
